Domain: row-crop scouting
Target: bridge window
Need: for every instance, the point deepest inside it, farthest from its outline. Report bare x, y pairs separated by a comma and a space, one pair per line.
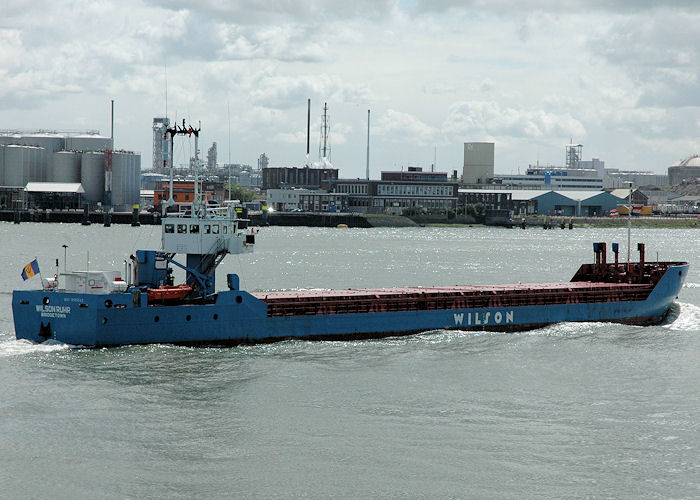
215, 228
194, 228
169, 228
182, 228
207, 229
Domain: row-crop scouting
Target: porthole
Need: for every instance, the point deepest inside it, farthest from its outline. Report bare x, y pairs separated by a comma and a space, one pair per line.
239, 299
680, 273
45, 301
188, 317
108, 303
156, 319
216, 316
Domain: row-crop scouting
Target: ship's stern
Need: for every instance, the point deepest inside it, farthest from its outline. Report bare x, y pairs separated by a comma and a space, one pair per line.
63, 317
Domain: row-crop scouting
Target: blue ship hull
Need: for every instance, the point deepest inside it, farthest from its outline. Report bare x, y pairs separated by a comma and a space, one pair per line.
236, 316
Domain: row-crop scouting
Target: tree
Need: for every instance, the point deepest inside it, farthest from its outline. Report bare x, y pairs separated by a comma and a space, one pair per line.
240, 193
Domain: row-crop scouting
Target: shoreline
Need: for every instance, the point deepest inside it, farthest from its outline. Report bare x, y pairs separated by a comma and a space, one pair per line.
354, 220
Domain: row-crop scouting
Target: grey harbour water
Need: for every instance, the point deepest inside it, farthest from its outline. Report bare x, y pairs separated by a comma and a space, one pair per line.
571, 410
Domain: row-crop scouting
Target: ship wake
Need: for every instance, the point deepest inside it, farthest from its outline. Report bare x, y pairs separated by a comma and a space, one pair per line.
22, 347
683, 316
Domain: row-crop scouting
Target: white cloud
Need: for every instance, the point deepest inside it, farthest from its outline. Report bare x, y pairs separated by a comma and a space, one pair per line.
284, 43
489, 120
397, 126
527, 75
288, 91
659, 53
257, 12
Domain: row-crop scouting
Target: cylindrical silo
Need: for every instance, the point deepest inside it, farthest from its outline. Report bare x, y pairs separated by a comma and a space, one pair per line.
36, 159
9, 139
23, 164
126, 176
92, 175
120, 163
135, 189
14, 165
50, 142
133, 194
66, 167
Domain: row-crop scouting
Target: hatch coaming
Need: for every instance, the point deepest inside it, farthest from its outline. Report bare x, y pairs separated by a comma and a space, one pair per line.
315, 302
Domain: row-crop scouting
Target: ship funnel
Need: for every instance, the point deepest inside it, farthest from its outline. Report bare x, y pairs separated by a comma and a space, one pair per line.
600, 256
641, 247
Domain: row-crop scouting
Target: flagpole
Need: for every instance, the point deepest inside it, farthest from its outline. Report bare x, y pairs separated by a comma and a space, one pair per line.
37, 265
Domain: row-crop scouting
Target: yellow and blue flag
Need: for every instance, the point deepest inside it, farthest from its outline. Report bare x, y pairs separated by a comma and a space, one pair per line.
30, 270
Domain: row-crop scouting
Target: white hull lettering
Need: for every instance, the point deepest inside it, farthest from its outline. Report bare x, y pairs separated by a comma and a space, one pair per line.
53, 311
484, 318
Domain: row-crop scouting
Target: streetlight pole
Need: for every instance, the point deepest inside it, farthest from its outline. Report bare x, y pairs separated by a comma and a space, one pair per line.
65, 247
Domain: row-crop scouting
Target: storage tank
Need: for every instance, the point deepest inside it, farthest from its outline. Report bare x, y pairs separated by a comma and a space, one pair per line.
50, 142
87, 142
24, 164
126, 173
38, 165
9, 139
92, 175
134, 191
119, 166
66, 167
14, 165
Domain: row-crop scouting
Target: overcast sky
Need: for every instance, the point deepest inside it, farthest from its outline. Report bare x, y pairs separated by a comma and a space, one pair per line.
531, 75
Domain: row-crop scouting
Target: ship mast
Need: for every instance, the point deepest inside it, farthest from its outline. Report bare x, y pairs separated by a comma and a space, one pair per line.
324, 146
189, 131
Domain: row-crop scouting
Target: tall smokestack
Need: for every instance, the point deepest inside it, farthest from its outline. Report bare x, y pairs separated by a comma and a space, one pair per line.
308, 125
112, 133
368, 144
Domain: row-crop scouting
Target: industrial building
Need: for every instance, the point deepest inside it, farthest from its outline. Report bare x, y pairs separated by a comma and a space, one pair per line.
183, 193
494, 199
160, 143
394, 193
686, 169
545, 202
285, 200
63, 158
478, 162
305, 177
414, 174
307, 200
615, 179
392, 196
569, 203
554, 178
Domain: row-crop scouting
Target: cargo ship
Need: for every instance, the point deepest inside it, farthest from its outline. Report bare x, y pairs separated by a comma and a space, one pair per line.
104, 308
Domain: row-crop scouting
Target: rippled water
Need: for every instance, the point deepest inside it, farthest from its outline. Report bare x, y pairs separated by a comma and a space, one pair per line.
571, 410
